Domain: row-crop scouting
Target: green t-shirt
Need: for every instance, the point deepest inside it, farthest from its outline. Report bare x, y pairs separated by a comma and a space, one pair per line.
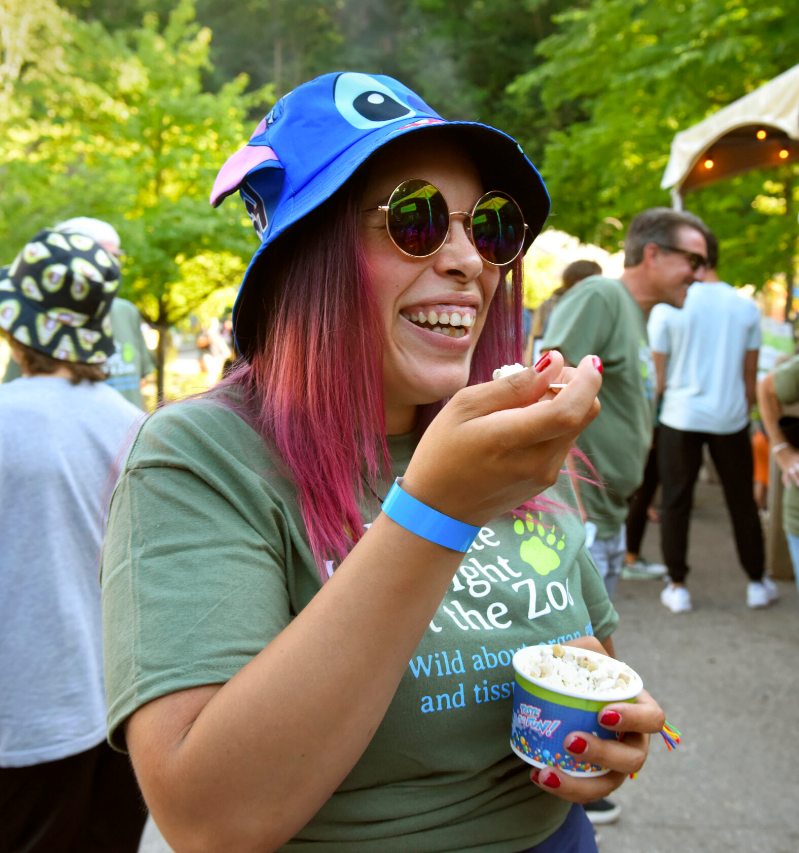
206, 561
786, 386
599, 316
131, 360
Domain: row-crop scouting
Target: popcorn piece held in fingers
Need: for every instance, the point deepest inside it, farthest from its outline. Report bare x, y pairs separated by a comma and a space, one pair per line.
508, 370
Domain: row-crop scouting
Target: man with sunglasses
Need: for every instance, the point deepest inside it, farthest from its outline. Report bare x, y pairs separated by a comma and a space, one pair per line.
664, 251
706, 361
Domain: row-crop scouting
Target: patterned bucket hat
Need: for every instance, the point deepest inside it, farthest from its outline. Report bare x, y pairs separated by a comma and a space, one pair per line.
56, 295
318, 135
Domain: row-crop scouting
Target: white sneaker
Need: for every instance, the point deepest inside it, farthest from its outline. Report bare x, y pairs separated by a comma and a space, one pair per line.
642, 569
761, 593
676, 598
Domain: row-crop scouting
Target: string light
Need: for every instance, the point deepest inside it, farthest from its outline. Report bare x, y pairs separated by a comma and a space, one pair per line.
784, 154
761, 134
709, 163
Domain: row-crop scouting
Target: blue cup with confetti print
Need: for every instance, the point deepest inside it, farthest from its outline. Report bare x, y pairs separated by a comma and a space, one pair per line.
559, 690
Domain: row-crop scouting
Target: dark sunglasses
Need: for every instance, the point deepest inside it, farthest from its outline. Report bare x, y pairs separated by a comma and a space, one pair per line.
694, 258
418, 221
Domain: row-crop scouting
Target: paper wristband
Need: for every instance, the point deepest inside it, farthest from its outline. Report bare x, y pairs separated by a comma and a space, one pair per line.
427, 522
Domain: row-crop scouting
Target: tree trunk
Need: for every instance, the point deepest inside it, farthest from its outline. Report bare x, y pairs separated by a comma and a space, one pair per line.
789, 277
160, 353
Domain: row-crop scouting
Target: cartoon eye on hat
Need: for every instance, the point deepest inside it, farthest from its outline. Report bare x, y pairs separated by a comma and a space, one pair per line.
367, 103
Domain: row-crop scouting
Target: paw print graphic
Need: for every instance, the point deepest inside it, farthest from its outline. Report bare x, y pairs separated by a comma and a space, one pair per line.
541, 550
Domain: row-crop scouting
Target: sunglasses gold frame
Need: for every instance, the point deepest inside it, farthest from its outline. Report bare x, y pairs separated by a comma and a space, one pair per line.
386, 208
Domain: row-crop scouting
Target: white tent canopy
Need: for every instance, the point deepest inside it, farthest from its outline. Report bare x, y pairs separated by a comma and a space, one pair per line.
775, 105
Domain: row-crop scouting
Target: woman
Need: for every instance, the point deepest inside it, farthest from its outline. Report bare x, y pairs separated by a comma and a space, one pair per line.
258, 639
774, 391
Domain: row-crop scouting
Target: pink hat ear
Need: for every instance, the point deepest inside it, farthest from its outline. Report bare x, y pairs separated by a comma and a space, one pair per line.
235, 169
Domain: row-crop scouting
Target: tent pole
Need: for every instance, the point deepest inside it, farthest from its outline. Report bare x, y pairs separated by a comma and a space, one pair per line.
676, 199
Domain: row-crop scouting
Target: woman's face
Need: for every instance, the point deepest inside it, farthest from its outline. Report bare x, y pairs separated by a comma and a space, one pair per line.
422, 365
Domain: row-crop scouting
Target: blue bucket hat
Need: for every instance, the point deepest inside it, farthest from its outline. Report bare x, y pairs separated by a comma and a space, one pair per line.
318, 135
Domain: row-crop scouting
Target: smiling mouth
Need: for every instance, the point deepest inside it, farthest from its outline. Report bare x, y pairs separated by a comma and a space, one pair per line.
454, 325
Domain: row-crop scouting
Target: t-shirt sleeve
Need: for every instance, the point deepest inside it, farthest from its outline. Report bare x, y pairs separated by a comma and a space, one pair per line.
658, 329
191, 591
604, 618
786, 381
581, 323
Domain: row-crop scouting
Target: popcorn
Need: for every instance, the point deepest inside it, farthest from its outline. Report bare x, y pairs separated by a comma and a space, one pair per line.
576, 671
508, 370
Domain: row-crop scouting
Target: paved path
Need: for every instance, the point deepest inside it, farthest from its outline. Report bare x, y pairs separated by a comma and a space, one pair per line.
728, 679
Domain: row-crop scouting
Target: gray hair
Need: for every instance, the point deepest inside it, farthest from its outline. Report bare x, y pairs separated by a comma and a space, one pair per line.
101, 232
657, 225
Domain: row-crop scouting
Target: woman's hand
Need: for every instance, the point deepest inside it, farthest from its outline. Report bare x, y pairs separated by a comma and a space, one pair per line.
638, 721
499, 444
788, 460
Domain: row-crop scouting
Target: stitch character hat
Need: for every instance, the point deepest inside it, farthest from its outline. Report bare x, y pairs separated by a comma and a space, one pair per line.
56, 295
318, 135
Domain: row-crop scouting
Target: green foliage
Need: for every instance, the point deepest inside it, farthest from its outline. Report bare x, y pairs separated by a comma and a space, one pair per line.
123, 130
622, 77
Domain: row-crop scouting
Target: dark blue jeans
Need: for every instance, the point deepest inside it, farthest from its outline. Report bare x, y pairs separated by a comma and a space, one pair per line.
576, 835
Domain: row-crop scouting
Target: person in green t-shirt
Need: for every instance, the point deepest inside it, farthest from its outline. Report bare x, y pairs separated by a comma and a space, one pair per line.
664, 252
775, 390
300, 652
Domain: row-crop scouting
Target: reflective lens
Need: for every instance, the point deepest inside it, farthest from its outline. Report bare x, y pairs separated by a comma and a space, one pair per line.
418, 218
498, 228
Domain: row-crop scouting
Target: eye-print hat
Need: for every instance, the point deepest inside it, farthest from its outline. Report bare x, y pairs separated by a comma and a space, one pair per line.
56, 295
317, 136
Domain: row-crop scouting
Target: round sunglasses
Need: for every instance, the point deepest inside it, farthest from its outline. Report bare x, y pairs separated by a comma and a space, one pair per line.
418, 222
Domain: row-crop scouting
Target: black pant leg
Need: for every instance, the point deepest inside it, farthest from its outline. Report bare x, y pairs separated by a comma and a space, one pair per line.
732, 456
118, 813
642, 498
679, 460
44, 807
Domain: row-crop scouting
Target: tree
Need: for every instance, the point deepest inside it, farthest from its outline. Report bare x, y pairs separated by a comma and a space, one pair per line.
125, 132
621, 77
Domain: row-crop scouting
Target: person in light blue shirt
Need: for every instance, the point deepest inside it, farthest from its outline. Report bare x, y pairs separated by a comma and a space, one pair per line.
706, 361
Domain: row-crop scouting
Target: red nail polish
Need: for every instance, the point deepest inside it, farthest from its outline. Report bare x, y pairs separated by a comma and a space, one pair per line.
552, 781
578, 745
610, 718
535, 774
542, 363
597, 362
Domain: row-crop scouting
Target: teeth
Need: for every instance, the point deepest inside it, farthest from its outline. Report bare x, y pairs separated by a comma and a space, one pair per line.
442, 322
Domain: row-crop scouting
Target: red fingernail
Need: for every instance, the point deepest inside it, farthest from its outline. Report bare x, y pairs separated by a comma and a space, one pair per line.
597, 362
552, 781
542, 363
578, 745
610, 718
534, 775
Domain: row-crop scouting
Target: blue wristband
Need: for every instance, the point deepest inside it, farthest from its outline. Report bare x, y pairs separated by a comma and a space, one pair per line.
427, 522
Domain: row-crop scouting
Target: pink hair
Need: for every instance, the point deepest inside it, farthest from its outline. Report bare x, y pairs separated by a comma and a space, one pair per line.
313, 387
